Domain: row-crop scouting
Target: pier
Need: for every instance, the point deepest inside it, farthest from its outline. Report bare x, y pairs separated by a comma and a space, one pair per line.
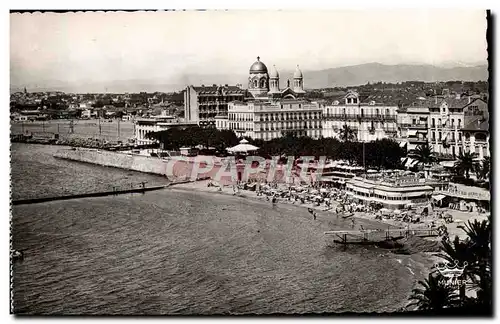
142, 189
375, 236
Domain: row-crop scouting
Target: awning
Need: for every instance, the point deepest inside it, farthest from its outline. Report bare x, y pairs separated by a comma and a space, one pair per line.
412, 132
438, 197
402, 144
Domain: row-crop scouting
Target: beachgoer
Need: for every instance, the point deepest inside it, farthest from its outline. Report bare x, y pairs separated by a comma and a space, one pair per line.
353, 222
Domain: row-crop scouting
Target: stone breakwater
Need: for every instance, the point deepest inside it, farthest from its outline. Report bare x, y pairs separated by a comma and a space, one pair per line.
175, 168
115, 159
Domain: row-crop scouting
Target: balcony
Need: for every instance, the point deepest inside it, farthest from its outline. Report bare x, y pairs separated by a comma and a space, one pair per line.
416, 140
360, 117
414, 126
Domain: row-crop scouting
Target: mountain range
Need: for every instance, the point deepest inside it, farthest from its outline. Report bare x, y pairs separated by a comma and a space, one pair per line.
333, 77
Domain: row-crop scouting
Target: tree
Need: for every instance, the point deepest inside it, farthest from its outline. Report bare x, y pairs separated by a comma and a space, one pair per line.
434, 294
465, 164
424, 154
475, 250
483, 169
347, 134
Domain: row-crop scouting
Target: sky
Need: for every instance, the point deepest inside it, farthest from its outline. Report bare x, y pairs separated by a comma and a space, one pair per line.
103, 47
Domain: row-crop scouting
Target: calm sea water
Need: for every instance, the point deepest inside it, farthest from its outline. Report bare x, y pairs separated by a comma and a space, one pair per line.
182, 252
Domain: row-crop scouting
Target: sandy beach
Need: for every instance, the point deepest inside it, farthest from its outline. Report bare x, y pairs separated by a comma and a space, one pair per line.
459, 217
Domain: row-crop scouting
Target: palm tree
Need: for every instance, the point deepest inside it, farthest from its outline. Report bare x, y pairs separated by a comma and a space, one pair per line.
457, 251
483, 169
424, 154
434, 294
465, 164
479, 268
476, 251
347, 134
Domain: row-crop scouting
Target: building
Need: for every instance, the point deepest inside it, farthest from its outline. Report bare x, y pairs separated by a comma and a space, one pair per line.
270, 112
446, 119
143, 126
392, 193
368, 119
412, 123
475, 133
452, 117
205, 102
89, 113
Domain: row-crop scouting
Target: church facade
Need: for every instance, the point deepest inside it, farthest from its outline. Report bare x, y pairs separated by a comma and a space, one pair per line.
270, 112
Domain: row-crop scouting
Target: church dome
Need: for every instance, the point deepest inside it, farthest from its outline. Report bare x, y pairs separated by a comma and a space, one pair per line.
258, 67
298, 73
274, 73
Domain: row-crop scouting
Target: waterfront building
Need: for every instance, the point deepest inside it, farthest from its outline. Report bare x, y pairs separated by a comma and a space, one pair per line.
476, 134
368, 119
446, 119
143, 126
270, 112
203, 103
412, 125
391, 192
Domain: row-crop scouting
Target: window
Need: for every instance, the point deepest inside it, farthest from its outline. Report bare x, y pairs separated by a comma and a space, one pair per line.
439, 122
453, 150
362, 113
414, 121
300, 105
459, 150
453, 136
439, 138
452, 122
460, 137
376, 111
433, 122
459, 122
433, 136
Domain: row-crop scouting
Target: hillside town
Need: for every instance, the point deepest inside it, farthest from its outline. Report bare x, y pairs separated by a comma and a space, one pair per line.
451, 116
176, 176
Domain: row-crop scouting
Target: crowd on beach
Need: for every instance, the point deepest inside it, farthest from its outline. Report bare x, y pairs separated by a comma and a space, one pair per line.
321, 196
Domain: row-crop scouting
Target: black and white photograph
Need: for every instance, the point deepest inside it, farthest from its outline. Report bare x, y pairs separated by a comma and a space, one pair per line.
250, 162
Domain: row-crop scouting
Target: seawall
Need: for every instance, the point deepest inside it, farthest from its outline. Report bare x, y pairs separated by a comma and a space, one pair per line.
174, 169
115, 159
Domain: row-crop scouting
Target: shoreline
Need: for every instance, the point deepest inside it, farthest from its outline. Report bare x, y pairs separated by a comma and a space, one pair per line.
421, 261
201, 186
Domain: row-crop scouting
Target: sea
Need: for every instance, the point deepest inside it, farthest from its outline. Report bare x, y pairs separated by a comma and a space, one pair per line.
181, 252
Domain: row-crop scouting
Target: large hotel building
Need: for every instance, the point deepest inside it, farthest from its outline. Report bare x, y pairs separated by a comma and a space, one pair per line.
451, 124
264, 111
368, 119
